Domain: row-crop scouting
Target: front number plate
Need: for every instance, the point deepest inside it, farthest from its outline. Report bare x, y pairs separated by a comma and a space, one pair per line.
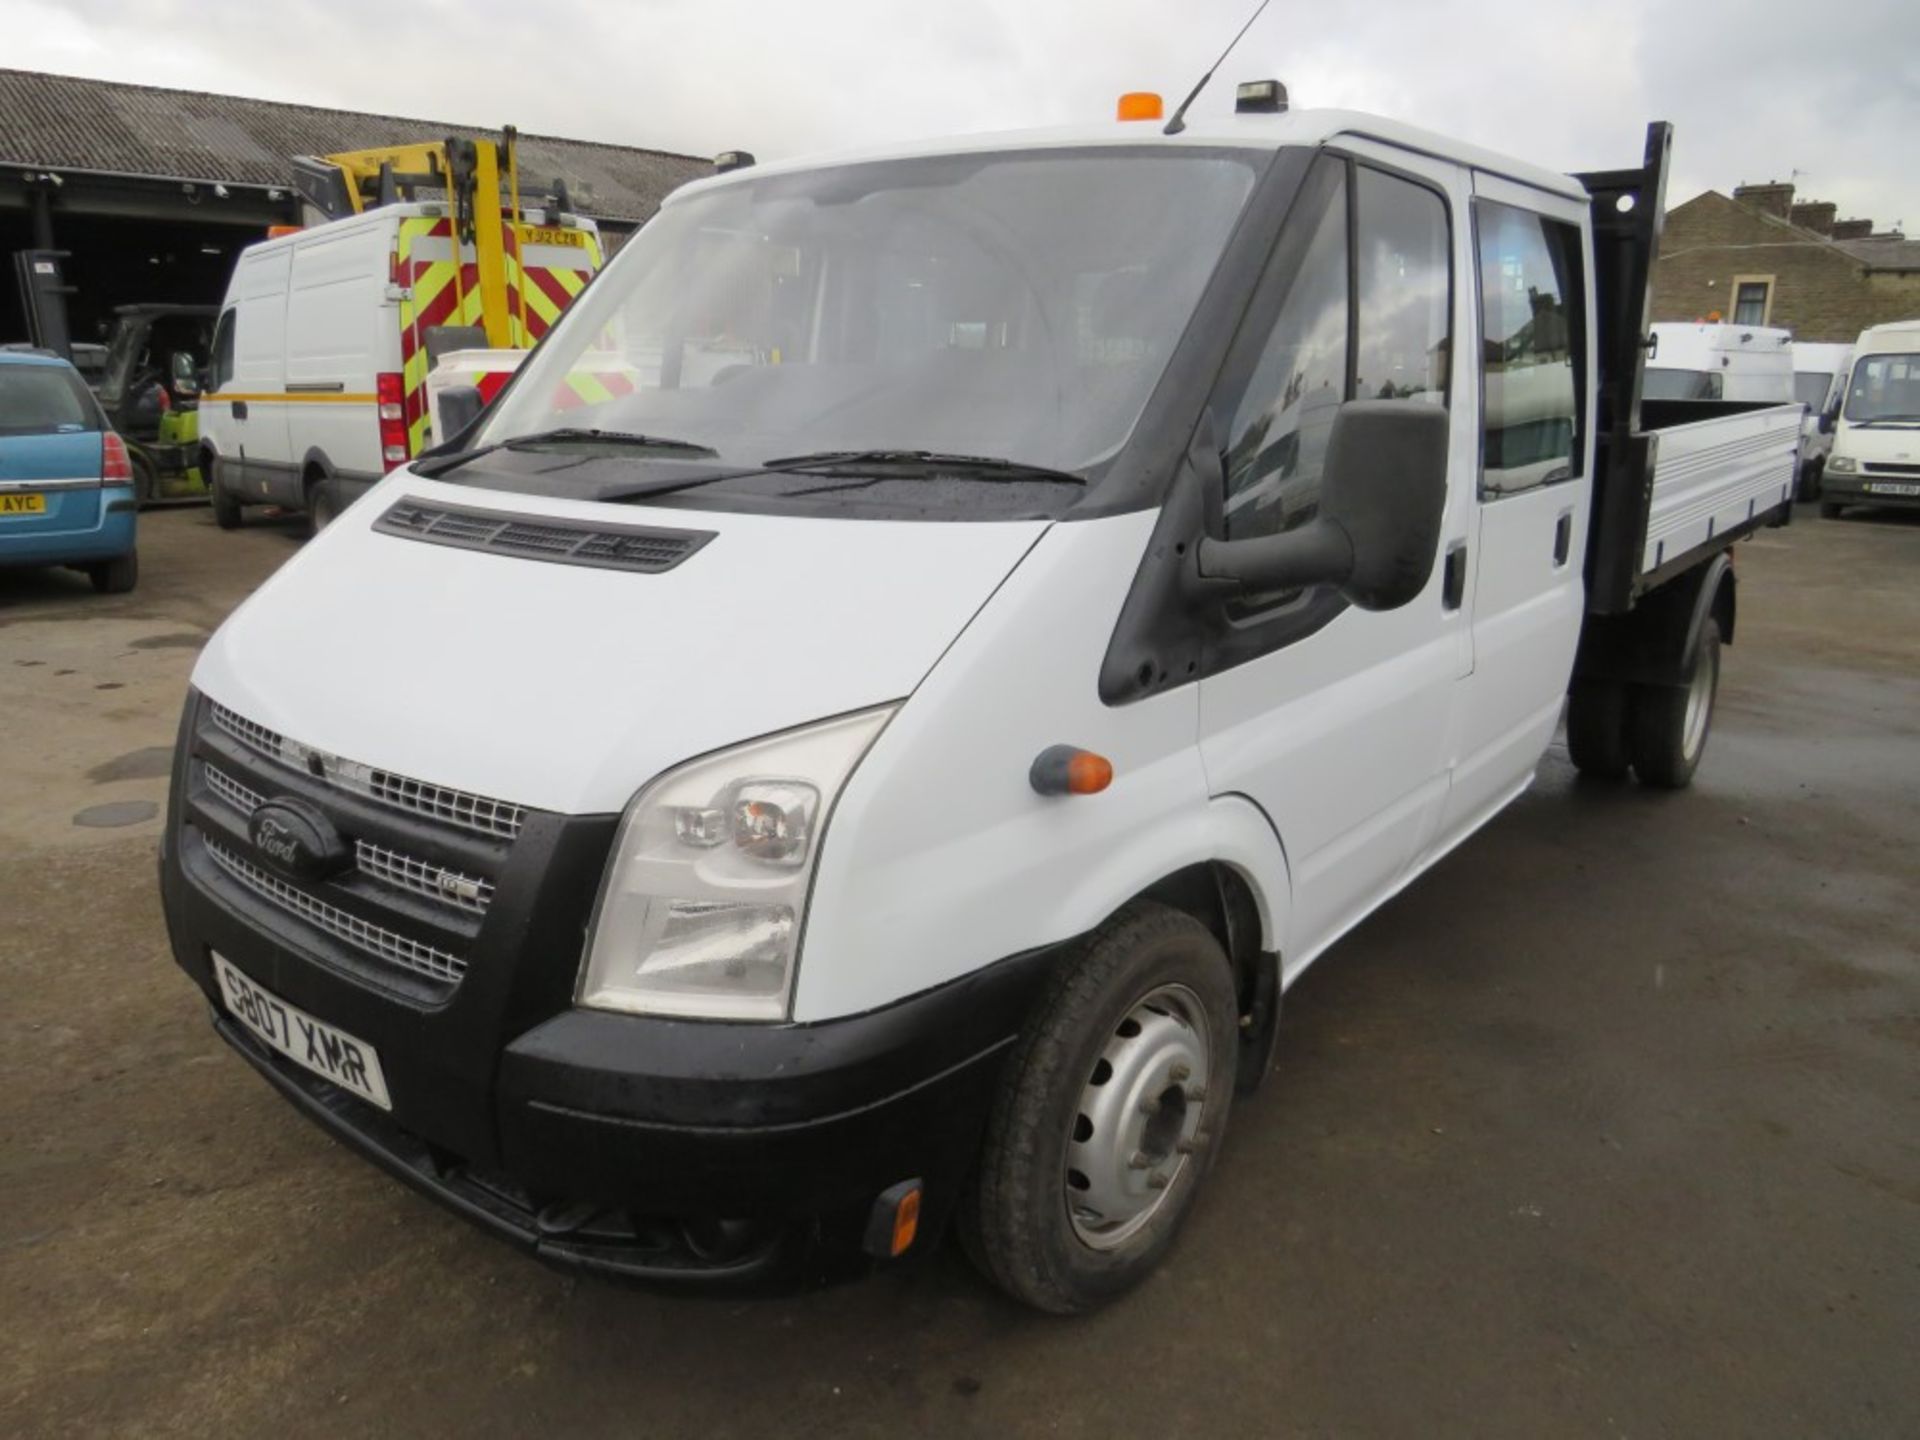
332, 1054
1888, 487
30, 504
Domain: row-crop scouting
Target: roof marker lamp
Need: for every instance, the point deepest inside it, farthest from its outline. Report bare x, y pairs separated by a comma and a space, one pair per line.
1140, 105
703, 902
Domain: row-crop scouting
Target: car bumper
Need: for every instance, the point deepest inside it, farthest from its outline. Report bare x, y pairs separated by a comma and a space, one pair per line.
109, 533
1857, 489
683, 1153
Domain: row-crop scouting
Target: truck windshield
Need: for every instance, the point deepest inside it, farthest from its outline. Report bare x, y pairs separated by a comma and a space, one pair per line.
1017, 306
1658, 384
1885, 388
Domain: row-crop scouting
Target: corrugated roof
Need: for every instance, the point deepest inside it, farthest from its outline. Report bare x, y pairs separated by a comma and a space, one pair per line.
61, 121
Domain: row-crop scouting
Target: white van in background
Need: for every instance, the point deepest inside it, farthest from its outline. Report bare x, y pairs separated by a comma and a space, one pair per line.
1819, 373
1875, 458
1719, 362
321, 352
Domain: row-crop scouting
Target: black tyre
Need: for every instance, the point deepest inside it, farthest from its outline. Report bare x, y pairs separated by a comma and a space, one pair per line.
1597, 726
1111, 1111
226, 508
1831, 510
116, 576
146, 479
1671, 722
324, 504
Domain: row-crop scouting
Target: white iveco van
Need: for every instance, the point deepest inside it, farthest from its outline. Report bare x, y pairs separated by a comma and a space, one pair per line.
1876, 424
862, 729
1720, 362
1819, 376
321, 352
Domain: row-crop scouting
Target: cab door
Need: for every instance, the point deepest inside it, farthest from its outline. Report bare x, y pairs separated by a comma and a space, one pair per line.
257, 406
1335, 720
1532, 484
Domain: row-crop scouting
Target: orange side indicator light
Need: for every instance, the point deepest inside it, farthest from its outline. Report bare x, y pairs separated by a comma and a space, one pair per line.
1069, 770
1141, 105
895, 1221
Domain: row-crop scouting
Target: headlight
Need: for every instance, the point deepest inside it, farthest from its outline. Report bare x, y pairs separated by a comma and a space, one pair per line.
1842, 464
701, 907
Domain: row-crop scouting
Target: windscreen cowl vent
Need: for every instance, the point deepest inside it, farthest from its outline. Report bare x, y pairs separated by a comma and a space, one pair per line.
645, 548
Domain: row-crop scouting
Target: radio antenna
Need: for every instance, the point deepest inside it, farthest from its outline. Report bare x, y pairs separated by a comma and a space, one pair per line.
1179, 120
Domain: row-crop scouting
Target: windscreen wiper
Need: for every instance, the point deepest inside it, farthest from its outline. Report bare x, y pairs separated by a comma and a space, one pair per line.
830, 461
564, 435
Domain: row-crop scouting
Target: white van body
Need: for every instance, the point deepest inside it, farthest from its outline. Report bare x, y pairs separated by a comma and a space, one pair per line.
1820, 374
1720, 362
319, 367
1875, 457
771, 790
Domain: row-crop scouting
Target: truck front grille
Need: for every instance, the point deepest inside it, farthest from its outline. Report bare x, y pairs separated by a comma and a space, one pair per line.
364, 936
439, 802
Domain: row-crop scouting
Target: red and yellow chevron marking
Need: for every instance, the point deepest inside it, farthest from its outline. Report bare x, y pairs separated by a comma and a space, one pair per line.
441, 292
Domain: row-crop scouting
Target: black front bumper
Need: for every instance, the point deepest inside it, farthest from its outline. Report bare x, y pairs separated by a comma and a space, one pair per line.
708, 1154
1859, 489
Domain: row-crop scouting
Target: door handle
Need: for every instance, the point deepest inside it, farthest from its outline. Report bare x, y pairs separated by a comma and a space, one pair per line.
239, 409
1453, 581
316, 387
1563, 538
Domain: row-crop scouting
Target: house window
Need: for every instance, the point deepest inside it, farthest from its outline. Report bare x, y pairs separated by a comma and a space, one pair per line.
1750, 301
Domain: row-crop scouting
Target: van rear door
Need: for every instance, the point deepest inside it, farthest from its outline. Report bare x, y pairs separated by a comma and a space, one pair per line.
339, 327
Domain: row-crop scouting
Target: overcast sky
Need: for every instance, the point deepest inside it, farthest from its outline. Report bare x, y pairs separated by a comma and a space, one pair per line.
1756, 89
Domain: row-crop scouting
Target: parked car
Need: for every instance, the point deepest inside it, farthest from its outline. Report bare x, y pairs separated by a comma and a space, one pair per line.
729, 825
1819, 374
66, 486
1875, 458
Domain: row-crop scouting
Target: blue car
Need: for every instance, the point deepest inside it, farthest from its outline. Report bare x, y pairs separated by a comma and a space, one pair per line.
66, 486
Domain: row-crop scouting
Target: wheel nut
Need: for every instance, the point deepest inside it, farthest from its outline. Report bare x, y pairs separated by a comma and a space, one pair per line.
1157, 1182
1180, 1074
1149, 1106
1138, 1161
1196, 1094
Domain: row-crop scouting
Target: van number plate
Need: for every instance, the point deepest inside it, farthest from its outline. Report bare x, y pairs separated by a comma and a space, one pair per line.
329, 1053
1884, 487
23, 504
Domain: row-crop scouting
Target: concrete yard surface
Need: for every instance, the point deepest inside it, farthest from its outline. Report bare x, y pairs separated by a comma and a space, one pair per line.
1608, 1126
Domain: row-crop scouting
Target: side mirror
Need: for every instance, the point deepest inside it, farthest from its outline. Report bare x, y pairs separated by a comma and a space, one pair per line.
460, 406
1830, 417
1383, 492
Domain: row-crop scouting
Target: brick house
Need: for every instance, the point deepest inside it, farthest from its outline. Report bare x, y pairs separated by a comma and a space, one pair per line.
1759, 258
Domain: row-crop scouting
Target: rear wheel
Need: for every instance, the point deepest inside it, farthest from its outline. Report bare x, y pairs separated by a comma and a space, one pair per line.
116, 576
226, 507
1597, 726
323, 504
1109, 1115
1671, 722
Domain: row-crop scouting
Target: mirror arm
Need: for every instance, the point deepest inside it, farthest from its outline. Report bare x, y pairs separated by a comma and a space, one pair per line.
1320, 553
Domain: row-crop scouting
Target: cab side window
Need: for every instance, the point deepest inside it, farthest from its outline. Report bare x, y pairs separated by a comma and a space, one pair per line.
1367, 316
1532, 349
222, 366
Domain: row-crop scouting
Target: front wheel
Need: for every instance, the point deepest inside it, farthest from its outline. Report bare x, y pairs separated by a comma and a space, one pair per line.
1671, 722
1112, 1109
1829, 510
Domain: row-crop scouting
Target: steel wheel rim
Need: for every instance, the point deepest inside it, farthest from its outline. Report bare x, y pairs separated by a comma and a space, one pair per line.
1699, 706
1140, 1117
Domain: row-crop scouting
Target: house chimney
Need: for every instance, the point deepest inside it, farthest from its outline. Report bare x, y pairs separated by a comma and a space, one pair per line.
1851, 230
1773, 198
1815, 215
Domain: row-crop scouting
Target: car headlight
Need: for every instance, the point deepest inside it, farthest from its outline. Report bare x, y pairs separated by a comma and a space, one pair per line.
701, 908
1842, 464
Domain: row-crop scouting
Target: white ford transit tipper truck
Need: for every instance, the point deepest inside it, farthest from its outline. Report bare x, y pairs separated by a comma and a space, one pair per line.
1007, 608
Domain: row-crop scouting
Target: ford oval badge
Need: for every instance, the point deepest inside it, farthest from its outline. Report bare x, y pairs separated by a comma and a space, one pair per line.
296, 840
